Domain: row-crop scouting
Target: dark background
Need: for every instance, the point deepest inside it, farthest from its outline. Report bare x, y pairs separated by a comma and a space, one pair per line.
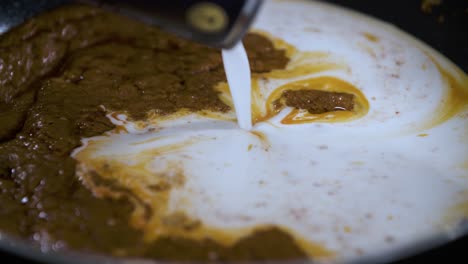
445, 28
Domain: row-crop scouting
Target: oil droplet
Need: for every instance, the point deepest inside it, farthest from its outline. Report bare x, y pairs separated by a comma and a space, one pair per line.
347, 229
370, 37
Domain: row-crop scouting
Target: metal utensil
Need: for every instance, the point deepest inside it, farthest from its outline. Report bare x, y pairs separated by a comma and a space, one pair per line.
215, 23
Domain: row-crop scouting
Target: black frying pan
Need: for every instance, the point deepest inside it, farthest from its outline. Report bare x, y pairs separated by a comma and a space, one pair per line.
445, 29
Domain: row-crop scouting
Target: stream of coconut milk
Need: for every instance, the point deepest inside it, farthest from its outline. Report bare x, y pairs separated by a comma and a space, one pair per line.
236, 65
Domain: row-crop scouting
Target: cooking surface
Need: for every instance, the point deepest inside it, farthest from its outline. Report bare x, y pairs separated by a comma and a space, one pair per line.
457, 47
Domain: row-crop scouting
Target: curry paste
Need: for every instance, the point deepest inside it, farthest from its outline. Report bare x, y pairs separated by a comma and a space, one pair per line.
56, 72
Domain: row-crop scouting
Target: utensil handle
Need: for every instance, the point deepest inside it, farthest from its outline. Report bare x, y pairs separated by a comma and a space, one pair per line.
216, 23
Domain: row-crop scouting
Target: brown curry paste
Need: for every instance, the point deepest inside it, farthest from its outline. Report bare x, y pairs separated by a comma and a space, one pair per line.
56, 71
316, 101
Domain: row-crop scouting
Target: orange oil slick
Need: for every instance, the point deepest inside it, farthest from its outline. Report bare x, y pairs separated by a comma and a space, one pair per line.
456, 96
323, 83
